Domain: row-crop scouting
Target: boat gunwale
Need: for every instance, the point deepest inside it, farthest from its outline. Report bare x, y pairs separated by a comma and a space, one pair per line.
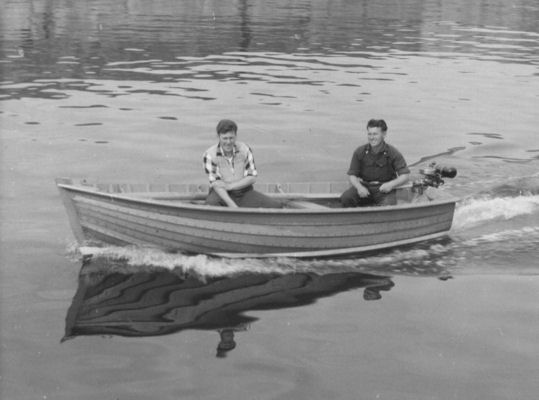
251, 210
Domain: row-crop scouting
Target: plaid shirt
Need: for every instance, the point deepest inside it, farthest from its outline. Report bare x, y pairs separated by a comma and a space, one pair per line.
218, 167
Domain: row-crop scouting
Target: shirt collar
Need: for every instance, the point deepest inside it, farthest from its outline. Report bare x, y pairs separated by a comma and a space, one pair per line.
221, 153
383, 148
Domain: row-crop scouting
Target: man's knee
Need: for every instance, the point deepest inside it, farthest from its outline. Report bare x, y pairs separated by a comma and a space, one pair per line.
213, 199
259, 200
349, 198
388, 199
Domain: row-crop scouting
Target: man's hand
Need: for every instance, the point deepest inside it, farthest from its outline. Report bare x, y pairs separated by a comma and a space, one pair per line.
386, 187
362, 191
389, 186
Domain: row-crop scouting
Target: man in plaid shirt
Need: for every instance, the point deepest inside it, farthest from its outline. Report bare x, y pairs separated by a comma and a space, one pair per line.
231, 171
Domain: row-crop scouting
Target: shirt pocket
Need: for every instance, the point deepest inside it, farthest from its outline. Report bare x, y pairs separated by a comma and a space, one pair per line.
381, 162
369, 162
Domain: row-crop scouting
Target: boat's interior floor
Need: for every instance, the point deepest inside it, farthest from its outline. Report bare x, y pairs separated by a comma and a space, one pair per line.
311, 204
293, 204
290, 201
309, 201
294, 200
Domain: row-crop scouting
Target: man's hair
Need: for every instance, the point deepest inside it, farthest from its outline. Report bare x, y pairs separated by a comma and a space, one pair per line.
377, 123
226, 125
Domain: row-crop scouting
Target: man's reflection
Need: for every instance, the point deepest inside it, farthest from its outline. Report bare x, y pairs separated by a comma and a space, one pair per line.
226, 339
226, 343
145, 301
373, 292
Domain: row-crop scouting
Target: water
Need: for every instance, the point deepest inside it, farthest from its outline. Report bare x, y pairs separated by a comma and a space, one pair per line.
133, 90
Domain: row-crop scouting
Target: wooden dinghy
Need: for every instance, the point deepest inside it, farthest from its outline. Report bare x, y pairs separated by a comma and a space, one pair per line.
174, 217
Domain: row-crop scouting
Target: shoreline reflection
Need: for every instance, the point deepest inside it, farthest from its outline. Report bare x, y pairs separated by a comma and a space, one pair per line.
71, 40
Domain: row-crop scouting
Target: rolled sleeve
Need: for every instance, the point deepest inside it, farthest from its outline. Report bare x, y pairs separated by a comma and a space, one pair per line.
399, 164
250, 167
355, 166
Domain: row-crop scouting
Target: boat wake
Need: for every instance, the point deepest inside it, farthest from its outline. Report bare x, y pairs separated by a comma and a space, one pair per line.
476, 211
416, 261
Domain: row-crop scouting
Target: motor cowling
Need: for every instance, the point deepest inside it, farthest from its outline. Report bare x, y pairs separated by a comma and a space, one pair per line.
433, 175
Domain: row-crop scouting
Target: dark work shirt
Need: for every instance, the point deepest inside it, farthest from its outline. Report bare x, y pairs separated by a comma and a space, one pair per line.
382, 166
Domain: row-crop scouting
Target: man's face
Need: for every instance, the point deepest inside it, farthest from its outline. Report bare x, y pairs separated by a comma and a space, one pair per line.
375, 136
227, 141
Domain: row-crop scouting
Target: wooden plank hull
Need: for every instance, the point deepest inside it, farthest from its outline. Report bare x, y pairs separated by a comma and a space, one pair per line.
248, 232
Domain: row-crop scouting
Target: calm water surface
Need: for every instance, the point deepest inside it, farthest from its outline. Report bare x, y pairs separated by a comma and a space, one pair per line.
132, 91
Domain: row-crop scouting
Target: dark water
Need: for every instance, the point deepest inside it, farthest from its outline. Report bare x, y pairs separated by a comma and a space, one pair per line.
132, 90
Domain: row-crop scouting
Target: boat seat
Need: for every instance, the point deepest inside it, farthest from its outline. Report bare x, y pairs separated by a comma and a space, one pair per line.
305, 204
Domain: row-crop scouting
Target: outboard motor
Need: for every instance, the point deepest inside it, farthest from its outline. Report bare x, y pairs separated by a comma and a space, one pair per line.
433, 174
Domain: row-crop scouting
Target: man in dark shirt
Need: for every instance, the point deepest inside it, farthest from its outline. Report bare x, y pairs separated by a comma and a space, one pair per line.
376, 169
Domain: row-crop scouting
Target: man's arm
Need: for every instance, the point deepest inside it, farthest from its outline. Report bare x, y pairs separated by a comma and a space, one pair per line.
242, 183
250, 174
354, 171
215, 180
401, 169
221, 190
389, 186
355, 181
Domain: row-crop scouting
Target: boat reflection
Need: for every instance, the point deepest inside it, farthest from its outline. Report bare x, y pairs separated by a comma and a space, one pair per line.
114, 299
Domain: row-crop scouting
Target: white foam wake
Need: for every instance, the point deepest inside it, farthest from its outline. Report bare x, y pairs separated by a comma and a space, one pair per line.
522, 236
474, 212
423, 261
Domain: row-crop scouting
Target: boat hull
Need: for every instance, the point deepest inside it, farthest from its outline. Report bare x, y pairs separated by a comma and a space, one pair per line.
248, 232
